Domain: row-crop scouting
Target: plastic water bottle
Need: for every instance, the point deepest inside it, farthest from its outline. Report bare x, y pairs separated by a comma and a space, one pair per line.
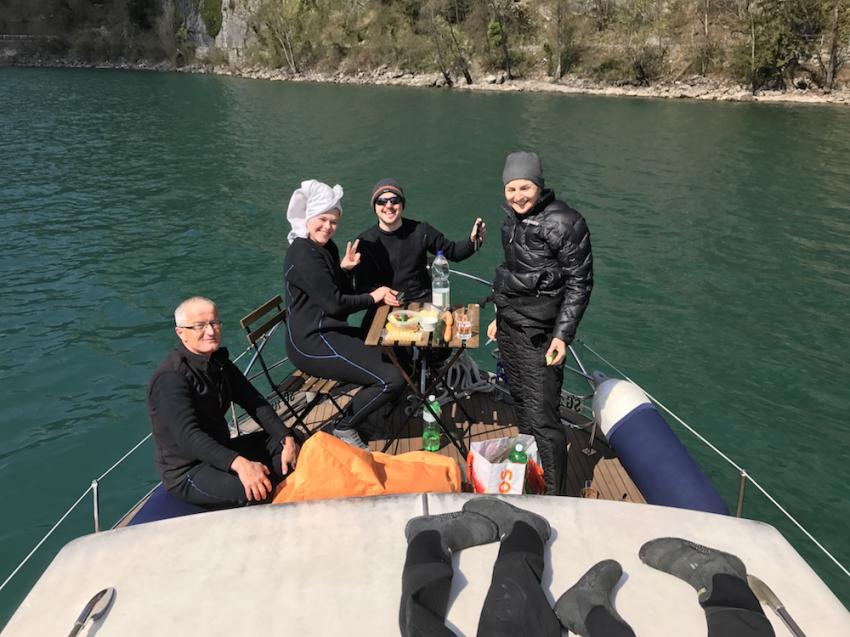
518, 454
430, 428
440, 282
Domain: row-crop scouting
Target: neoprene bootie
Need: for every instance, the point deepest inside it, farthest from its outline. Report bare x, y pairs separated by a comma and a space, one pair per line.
458, 530
505, 515
351, 437
694, 563
588, 601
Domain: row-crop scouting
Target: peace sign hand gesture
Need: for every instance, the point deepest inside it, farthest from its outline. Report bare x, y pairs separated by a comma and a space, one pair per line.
352, 256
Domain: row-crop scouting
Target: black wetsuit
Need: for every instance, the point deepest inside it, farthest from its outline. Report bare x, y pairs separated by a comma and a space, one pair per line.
399, 259
541, 292
319, 297
516, 604
188, 398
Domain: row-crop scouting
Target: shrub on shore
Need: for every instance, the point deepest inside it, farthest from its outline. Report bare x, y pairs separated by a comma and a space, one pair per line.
763, 43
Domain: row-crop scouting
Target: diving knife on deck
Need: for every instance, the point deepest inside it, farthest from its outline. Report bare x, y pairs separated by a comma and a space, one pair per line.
94, 610
767, 596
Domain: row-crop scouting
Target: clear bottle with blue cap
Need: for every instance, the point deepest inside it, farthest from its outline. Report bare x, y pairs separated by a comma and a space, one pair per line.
440, 282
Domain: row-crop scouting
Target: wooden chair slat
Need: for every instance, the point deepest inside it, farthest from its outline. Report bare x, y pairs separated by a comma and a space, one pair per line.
258, 333
249, 318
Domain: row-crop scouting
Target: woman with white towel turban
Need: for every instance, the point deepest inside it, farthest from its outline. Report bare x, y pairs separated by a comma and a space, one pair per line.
319, 297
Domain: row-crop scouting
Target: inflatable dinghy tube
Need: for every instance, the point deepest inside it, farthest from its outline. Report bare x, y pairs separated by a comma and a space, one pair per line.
655, 458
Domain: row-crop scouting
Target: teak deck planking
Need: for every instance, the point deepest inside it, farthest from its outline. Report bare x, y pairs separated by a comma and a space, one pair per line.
494, 419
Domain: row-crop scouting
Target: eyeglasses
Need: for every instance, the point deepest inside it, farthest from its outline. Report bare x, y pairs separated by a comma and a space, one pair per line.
388, 200
200, 327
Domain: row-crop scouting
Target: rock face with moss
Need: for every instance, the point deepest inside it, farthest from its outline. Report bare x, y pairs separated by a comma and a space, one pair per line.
236, 34
761, 44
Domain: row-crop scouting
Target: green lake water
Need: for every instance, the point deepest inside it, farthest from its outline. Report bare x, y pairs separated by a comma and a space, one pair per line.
721, 237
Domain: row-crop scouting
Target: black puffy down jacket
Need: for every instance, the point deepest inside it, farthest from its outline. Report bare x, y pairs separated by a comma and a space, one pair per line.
547, 275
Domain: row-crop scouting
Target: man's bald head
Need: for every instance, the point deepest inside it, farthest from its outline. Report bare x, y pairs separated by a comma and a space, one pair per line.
198, 326
190, 305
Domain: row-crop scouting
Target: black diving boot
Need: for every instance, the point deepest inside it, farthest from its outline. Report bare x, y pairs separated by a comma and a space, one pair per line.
458, 530
694, 563
505, 515
588, 601
350, 436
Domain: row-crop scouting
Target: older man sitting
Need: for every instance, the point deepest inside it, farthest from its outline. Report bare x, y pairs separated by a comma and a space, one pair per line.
188, 396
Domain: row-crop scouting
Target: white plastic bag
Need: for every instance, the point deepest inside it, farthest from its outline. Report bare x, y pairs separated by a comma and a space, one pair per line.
491, 472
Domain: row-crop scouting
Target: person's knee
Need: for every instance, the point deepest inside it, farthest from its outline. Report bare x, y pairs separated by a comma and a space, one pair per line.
394, 383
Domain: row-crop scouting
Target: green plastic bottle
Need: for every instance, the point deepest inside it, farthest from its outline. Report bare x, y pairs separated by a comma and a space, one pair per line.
430, 428
518, 454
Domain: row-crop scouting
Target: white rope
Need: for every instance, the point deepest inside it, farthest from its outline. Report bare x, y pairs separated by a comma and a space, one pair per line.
44, 539
798, 525
653, 399
124, 457
725, 457
68, 512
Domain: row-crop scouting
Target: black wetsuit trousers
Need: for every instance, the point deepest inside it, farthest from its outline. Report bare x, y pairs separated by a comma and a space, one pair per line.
536, 390
731, 611
212, 488
515, 605
342, 355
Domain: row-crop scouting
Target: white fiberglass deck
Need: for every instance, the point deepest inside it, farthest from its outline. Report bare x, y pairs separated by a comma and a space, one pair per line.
334, 568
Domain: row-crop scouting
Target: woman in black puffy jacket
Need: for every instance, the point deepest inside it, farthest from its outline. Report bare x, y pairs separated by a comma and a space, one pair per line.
541, 291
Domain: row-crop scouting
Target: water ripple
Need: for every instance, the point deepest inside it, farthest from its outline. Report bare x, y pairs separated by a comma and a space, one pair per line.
719, 232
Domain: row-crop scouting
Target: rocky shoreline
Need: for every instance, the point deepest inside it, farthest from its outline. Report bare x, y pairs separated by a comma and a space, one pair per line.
694, 88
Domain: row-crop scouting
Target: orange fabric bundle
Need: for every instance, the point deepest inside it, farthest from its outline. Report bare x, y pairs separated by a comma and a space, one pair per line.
330, 468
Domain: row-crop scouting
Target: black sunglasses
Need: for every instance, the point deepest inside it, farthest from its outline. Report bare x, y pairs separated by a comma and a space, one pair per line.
388, 200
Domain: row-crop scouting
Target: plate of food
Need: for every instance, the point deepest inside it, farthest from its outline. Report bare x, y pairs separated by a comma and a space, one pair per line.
404, 319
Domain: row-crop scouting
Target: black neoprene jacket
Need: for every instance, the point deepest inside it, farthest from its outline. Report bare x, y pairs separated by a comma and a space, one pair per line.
547, 276
188, 397
399, 259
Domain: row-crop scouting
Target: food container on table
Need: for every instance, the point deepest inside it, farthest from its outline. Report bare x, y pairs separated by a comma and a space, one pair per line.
404, 319
428, 318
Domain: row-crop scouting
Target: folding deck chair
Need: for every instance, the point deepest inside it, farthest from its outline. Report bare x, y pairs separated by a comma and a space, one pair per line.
298, 381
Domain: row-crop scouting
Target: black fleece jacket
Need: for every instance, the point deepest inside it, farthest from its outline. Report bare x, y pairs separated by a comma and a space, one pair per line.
547, 276
188, 397
399, 259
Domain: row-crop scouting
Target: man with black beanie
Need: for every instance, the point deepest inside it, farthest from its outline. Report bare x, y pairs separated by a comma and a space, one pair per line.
394, 252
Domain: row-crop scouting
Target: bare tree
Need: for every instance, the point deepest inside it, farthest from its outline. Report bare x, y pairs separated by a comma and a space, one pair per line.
832, 52
561, 35
434, 29
461, 59
498, 34
278, 18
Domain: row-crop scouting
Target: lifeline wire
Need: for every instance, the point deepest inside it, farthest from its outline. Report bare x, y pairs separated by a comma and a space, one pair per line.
725, 457
125, 456
586, 346
68, 512
44, 539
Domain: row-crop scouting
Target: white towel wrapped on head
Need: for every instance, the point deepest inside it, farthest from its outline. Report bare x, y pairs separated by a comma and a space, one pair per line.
310, 200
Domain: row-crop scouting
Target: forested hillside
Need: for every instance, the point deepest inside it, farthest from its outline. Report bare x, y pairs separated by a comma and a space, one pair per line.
765, 44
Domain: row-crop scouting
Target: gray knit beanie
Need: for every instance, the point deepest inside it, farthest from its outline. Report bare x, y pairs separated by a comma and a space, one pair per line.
384, 186
523, 165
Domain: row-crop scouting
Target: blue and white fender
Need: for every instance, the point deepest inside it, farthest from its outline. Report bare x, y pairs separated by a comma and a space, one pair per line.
655, 458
